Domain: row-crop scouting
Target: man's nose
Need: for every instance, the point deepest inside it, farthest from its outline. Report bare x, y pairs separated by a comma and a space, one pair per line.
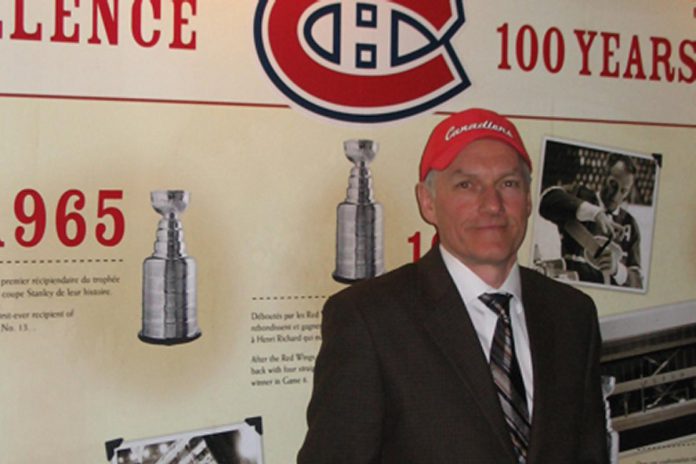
491, 200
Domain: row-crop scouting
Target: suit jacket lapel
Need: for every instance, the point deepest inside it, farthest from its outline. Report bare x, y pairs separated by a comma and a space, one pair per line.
447, 321
539, 316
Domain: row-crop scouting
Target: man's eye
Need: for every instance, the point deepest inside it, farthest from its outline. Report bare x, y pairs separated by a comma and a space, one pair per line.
465, 184
512, 183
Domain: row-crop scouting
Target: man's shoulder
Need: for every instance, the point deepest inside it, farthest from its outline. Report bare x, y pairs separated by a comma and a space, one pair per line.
395, 282
410, 288
537, 282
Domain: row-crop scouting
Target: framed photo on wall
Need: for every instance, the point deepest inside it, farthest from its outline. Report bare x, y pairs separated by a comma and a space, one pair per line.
595, 215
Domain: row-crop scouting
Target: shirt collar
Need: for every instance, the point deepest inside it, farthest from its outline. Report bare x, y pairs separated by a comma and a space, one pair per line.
613, 212
470, 286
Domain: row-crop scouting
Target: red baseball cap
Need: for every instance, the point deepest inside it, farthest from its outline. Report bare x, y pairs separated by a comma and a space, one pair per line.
460, 129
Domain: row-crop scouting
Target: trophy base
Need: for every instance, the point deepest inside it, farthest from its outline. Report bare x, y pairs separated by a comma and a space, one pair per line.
168, 341
347, 280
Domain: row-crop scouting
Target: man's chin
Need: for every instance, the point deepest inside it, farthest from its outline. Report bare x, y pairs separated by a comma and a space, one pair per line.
610, 206
496, 254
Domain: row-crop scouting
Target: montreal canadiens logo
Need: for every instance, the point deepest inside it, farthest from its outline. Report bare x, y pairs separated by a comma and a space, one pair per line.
362, 61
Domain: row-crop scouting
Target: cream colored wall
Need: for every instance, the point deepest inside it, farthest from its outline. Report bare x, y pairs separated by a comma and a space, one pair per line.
264, 186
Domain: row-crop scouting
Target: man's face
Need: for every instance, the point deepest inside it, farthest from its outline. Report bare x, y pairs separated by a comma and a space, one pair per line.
616, 186
480, 204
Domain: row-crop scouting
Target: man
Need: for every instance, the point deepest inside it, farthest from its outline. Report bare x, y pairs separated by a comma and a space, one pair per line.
417, 366
601, 213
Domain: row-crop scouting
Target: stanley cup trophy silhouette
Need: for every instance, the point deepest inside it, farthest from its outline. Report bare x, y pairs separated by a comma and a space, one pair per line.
360, 221
169, 277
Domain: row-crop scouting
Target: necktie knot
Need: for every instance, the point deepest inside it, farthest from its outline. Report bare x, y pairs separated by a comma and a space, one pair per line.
499, 303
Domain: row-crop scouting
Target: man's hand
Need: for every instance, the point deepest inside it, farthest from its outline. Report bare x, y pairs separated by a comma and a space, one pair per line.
608, 260
608, 227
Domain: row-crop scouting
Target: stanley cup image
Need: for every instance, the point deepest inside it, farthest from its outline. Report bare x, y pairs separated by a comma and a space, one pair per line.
360, 222
169, 277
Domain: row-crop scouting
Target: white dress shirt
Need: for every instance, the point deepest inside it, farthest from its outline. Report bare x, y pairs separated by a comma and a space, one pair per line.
470, 287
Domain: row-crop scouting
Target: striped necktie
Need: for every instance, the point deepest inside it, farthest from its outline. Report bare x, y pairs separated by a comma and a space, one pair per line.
507, 375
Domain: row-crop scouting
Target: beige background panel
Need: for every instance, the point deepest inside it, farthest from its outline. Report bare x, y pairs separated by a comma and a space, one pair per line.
265, 184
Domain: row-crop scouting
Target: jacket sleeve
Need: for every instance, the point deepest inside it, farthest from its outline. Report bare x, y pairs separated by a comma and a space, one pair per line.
345, 413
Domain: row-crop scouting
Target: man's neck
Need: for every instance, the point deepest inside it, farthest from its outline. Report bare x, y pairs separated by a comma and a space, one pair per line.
492, 274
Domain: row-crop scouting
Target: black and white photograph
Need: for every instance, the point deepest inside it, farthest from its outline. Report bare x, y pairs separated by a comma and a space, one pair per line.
233, 444
595, 220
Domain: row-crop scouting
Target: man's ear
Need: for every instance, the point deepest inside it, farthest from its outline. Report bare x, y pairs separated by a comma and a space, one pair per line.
426, 203
530, 205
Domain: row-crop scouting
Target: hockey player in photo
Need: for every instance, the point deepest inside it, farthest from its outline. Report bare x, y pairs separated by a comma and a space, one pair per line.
600, 239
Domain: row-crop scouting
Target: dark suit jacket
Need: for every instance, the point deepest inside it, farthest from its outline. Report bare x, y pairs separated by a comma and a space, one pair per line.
401, 377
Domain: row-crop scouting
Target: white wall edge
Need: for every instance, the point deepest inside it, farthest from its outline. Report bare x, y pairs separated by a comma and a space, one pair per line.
648, 320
